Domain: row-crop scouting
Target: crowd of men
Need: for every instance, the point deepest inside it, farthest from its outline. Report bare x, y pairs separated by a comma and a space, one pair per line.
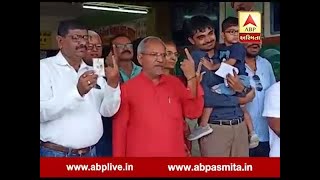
141, 111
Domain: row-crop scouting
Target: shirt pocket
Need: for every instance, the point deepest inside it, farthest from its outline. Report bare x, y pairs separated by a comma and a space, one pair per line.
174, 108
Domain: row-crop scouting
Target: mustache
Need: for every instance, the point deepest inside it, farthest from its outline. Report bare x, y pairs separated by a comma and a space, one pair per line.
258, 45
94, 54
209, 43
126, 51
81, 47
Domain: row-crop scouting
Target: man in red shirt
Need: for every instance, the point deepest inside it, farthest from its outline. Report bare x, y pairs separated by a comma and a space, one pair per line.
149, 122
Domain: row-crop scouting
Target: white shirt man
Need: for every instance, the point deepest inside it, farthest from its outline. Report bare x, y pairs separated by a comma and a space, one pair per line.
272, 112
67, 118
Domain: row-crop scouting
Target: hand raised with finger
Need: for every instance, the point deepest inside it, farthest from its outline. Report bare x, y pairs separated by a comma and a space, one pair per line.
199, 74
112, 72
187, 66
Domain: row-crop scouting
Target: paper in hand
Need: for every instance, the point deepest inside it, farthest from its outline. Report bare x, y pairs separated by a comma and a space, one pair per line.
98, 66
226, 69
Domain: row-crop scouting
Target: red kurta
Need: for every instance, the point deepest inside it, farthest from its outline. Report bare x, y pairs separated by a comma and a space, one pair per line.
187, 132
150, 120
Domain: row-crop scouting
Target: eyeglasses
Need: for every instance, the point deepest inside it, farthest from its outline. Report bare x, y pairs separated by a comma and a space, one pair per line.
92, 46
232, 32
170, 53
122, 46
257, 81
77, 38
156, 55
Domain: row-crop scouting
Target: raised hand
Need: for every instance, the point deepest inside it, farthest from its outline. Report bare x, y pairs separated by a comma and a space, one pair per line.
109, 59
199, 74
187, 66
112, 70
86, 82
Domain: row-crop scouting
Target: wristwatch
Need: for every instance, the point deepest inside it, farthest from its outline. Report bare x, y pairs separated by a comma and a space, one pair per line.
245, 91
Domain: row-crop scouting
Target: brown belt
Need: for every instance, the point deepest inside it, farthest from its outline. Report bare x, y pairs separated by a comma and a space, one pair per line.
60, 148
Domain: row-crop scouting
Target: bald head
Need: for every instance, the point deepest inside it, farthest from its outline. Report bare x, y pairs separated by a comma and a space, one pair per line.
151, 55
242, 6
94, 48
93, 35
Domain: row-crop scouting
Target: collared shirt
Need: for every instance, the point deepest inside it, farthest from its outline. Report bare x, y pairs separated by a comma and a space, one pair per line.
224, 107
135, 71
66, 118
255, 108
272, 109
150, 119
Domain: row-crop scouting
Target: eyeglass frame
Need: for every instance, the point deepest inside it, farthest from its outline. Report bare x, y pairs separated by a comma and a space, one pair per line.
170, 53
77, 37
155, 55
122, 46
232, 32
98, 46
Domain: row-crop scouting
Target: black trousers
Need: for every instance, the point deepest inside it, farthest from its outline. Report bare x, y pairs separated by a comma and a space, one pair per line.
104, 145
260, 151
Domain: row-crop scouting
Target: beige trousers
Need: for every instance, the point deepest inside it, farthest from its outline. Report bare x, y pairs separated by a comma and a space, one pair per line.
226, 141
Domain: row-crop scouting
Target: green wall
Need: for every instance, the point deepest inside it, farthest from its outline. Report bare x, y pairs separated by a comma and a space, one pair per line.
272, 53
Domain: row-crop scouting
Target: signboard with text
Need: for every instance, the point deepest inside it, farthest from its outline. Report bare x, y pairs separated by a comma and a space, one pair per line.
45, 40
249, 26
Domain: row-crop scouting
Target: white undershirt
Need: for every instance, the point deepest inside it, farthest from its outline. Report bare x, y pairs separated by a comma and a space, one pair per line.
66, 118
272, 109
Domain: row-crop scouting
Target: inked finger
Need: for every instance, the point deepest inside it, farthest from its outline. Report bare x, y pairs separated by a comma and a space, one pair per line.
188, 54
115, 63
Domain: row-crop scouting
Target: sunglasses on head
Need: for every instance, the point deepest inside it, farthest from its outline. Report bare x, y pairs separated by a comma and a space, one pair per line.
257, 81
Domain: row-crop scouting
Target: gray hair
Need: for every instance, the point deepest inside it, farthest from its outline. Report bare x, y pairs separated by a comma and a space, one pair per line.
92, 34
142, 44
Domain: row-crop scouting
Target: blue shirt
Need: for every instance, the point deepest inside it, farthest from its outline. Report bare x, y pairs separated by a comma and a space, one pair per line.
135, 71
235, 51
255, 108
225, 107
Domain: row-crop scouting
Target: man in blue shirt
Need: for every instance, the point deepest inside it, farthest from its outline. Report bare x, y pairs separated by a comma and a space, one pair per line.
230, 137
233, 53
123, 45
261, 78
128, 70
